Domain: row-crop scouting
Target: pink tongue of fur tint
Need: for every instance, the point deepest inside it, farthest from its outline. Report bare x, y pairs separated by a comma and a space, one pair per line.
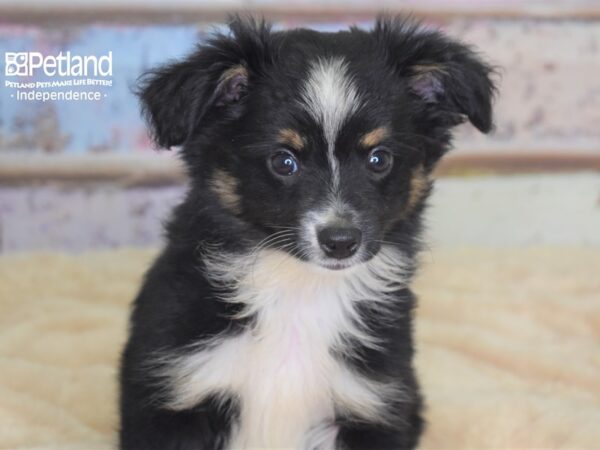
293, 348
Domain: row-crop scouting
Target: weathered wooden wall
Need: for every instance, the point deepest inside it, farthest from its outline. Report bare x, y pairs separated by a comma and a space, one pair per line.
549, 83
77, 175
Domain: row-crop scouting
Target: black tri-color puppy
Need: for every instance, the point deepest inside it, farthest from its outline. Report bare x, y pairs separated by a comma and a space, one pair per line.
279, 314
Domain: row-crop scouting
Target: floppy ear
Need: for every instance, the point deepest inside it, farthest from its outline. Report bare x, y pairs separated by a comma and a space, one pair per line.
452, 83
210, 84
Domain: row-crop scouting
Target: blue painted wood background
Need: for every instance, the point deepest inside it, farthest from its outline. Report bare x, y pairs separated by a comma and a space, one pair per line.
110, 124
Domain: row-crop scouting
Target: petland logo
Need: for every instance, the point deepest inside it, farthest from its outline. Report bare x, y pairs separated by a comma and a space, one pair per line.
32, 76
27, 64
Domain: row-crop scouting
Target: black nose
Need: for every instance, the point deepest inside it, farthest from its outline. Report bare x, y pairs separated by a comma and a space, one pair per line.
339, 242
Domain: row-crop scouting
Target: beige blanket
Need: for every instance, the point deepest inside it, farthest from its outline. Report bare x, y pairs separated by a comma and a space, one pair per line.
509, 347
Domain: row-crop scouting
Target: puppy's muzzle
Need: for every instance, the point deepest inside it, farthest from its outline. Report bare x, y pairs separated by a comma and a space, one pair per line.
339, 242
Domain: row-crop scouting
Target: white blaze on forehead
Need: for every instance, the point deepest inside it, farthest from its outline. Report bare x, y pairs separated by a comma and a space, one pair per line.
330, 96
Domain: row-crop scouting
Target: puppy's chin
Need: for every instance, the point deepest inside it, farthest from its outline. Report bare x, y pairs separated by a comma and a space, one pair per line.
317, 261
346, 265
337, 265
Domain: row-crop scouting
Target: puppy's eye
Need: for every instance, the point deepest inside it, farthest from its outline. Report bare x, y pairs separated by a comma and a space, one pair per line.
380, 160
283, 163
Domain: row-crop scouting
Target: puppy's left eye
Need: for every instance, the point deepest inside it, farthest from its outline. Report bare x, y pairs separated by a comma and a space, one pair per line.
380, 160
283, 163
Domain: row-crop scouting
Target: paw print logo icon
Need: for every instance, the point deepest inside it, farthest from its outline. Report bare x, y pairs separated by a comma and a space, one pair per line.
15, 64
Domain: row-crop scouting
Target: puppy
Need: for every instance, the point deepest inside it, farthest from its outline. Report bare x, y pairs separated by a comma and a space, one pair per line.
279, 314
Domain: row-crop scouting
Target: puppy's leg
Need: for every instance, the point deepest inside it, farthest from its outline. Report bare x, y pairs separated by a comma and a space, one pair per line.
146, 424
201, 428
365, 436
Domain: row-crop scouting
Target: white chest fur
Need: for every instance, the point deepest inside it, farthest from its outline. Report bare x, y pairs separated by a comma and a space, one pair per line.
283, 369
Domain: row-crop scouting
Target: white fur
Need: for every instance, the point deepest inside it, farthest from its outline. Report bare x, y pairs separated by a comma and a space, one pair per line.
283, 369
330, 96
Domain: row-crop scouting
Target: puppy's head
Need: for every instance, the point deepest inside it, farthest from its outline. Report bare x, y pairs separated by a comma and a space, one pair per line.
322, 143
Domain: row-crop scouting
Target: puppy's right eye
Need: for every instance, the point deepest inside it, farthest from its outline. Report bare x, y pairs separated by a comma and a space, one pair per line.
283, 163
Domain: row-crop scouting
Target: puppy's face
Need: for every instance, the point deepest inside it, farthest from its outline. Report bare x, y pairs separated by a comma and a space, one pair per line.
318, 144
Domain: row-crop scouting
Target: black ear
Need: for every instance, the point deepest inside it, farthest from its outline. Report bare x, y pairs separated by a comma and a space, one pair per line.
210, 84
449, 78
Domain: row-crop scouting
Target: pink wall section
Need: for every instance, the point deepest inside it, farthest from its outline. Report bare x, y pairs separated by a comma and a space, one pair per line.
77, 218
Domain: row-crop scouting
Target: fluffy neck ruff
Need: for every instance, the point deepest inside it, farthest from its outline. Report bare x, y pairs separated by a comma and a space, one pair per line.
283, 369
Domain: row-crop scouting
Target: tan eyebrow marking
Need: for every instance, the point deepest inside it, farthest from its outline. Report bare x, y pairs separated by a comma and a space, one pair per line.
292, 138
374, 137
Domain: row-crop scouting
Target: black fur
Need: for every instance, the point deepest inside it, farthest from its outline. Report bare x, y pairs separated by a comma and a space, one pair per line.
418, 83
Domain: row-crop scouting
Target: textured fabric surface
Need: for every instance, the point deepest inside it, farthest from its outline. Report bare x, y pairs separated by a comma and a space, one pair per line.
509, 347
